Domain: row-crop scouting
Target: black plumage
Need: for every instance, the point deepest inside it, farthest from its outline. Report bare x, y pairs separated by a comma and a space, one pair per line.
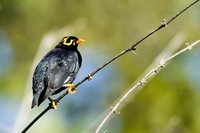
59, 66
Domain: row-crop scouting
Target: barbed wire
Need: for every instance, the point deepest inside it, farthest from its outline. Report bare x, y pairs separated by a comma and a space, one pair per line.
163, 24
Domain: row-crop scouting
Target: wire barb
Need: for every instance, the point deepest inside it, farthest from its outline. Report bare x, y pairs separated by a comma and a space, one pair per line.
113, 110
133, 51
143, 82
164, 22
162, 63
89, 77
189, 47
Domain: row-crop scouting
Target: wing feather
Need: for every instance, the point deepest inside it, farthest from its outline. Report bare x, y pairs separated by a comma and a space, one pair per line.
52, 72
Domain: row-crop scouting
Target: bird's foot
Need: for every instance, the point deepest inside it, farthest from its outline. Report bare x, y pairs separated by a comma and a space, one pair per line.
53, 103
71, 88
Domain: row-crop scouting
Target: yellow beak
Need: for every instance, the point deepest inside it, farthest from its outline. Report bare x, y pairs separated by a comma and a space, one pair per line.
79, 41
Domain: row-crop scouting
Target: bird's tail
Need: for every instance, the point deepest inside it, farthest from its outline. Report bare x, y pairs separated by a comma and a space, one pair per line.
39, 98
34, 101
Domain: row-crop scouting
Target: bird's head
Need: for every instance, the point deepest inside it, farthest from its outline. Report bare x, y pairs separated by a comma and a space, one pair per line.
70, 41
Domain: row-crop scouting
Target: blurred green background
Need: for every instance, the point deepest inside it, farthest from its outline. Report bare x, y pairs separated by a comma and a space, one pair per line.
169, 103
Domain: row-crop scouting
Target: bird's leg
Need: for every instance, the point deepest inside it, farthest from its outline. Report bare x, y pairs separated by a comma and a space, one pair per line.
53, 103
71, 88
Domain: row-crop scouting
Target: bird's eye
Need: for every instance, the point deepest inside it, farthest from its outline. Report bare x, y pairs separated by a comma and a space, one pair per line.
67, 43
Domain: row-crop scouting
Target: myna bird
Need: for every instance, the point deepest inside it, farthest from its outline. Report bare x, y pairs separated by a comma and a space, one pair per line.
57, 70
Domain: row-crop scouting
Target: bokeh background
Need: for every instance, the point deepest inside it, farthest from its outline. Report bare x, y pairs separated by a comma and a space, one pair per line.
169, 103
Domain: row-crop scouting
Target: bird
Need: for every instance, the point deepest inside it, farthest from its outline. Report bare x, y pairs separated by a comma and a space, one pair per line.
56, 71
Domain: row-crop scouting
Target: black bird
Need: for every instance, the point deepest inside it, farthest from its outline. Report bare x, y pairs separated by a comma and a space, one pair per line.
57, 70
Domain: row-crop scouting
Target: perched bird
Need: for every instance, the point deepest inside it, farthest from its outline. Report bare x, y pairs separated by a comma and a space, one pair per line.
57, 70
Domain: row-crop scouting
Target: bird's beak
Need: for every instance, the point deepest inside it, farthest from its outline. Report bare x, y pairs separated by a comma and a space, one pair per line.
79, 41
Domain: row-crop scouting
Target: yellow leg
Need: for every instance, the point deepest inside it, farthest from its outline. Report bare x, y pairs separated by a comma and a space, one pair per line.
53, 103
71, 88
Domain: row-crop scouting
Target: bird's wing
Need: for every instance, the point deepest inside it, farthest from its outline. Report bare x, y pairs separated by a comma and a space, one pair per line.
39, 81
62, 69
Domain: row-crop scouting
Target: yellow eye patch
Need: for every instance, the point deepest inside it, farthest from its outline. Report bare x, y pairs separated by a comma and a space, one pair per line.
65, 42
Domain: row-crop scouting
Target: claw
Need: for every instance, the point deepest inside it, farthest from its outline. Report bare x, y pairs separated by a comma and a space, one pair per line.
53, 103
71, 88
